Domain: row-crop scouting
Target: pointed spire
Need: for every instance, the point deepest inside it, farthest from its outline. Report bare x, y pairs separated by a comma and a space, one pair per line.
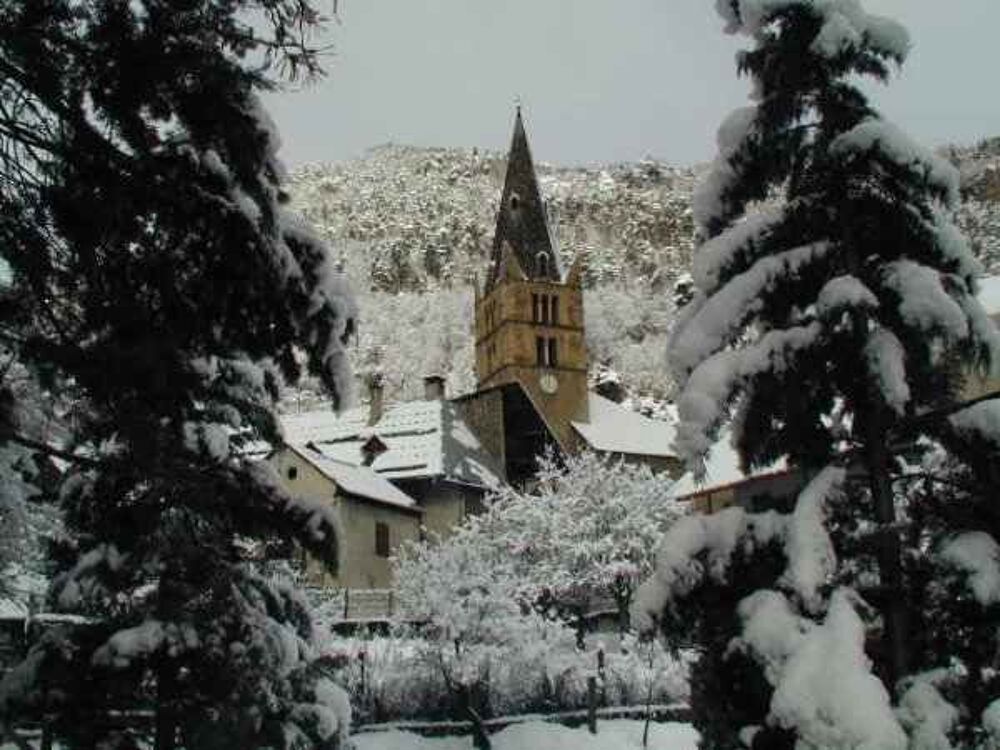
521, 219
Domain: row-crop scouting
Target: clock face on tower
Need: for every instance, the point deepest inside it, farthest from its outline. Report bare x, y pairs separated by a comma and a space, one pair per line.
549, 383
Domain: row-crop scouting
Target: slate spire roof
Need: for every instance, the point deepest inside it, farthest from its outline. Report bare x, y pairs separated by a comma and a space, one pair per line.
521, 220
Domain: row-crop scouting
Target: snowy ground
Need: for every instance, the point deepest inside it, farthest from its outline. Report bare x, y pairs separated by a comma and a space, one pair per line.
611, 735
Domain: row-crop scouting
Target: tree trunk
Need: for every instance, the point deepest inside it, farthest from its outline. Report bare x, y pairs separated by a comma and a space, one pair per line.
888, 546
876, 457
166, 728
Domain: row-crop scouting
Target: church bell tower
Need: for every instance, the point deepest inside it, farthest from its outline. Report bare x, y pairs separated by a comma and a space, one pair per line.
529, 313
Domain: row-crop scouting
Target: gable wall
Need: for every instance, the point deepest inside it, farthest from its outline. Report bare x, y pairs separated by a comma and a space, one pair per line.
360, 566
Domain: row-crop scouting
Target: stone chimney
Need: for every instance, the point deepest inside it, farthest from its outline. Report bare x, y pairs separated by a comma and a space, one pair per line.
376, 398
434, 388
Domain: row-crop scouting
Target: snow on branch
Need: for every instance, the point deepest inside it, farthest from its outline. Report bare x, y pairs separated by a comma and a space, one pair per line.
991, 721
715, 254
979, 420
712, 384
953, 244
143, 640
886, 360
712, 326
924, 303
826, 691
844, 293
811, 557
331, 311
888, 141
823, 685
708, 203
696, 547
846, 25
977, 554
925, 714
984, 332
83, 583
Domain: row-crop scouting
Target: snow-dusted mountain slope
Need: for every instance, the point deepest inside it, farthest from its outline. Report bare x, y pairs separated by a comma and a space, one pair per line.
414, 226
429, 214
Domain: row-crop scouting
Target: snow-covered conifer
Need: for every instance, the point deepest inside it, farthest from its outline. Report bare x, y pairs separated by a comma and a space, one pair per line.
155, 271
833, 320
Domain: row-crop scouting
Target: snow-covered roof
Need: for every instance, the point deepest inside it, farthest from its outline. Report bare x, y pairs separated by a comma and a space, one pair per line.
11, 609
357, 480
989, 295
722, 468
616, 429
424, 439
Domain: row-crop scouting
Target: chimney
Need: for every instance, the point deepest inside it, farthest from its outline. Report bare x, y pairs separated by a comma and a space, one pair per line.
376, 392
434, 388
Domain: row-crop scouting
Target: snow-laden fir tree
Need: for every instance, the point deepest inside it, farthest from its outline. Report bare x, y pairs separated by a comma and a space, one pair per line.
156, 279
833, 320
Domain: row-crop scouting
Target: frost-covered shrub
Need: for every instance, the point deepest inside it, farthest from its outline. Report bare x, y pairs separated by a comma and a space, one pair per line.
400, 677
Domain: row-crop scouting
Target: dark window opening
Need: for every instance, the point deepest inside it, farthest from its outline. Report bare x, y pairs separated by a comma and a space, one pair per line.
554, 314
515, 202
293, 472
535, 308
553, 361
540, 350
382, 539
543, 264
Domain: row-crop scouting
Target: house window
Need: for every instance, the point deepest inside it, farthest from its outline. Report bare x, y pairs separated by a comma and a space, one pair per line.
293, 472
381, 539
536, 314
554, 305
553, 360
540, 350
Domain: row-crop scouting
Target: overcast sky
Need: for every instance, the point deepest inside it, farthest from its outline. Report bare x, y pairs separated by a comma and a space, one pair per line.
599, 80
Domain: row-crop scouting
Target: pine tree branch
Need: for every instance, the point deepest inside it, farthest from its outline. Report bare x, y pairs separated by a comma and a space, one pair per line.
927, 476
919, 422
14, 437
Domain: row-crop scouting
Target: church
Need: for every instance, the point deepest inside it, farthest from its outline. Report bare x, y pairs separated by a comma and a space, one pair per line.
531, 350
396, 472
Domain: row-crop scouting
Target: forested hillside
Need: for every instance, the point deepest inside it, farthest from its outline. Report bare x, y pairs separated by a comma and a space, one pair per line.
414, 227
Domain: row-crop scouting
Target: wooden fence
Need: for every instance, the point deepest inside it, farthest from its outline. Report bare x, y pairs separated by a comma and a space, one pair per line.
657, 712
359, 606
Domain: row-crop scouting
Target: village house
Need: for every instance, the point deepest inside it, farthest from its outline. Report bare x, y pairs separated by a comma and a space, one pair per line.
374, 516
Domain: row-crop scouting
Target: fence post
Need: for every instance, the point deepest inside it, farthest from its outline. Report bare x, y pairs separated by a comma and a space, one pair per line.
361, 658
592, 704
602, 676
347, 599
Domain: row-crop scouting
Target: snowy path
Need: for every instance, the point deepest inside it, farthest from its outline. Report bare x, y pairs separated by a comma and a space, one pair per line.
620, 734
